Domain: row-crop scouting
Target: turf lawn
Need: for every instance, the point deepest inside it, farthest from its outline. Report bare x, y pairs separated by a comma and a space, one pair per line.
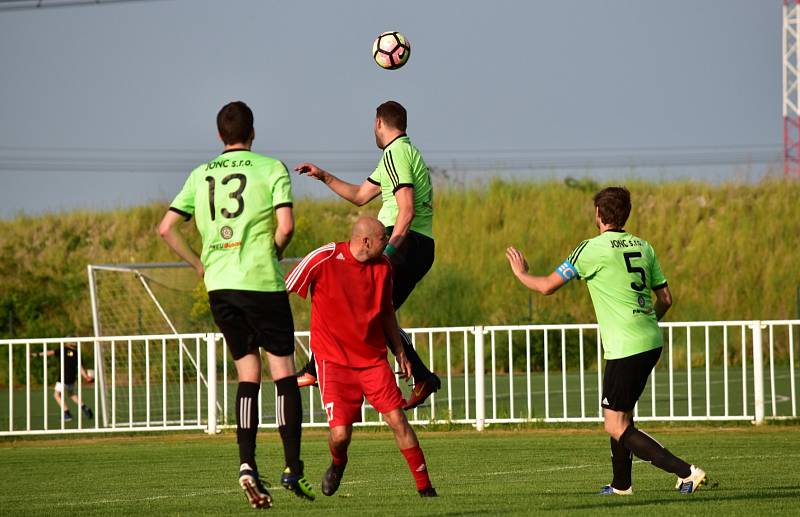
497, 472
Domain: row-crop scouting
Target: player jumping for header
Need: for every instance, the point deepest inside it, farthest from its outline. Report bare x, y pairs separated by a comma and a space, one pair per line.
620, 270
351, 318
404, 183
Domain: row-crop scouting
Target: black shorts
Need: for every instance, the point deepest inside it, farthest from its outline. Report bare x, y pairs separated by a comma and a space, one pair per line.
411, 262
252, 319
624, 379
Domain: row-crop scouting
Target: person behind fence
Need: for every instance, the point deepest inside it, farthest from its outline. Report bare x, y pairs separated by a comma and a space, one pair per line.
352, 317
67, 385
620, 270
242, 204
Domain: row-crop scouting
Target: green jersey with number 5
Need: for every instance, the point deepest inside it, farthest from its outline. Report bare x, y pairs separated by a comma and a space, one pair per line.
620, 270
233, 199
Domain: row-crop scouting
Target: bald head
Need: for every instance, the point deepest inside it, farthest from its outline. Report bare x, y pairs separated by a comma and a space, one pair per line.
367, 239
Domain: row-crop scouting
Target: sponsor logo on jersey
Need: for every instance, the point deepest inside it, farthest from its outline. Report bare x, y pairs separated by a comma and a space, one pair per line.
225, 245
340, 256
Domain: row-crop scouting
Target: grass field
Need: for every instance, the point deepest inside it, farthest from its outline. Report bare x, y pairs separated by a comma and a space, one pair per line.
508, 472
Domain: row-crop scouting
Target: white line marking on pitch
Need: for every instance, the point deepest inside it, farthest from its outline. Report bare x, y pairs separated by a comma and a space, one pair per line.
150, 498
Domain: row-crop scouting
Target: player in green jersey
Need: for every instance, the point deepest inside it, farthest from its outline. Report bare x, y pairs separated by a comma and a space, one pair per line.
242, 205
620, 270
404, 183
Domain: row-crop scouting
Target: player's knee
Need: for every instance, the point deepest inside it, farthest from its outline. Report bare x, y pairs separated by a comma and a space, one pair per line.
340, 437
614, 429
398, 422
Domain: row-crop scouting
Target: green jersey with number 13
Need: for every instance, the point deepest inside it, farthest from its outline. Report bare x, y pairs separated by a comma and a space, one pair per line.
620, 270
233, 199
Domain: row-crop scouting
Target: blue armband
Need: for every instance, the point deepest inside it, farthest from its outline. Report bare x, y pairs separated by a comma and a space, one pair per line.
567, 271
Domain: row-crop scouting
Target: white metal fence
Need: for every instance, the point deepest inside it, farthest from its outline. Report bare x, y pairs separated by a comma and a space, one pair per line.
729, 370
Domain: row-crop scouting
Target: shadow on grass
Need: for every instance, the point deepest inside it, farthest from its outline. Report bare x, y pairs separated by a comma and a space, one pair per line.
712, 495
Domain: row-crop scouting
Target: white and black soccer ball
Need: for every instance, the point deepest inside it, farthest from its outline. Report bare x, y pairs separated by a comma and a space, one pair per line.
391, 50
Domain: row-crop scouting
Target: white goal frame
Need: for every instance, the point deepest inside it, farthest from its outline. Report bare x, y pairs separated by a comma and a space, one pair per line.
134, 269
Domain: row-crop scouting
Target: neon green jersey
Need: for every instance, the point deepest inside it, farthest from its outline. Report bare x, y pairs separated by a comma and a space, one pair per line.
620, 270
233, 198
402, 166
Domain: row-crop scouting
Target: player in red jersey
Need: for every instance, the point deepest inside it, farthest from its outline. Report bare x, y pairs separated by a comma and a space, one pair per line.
351, 316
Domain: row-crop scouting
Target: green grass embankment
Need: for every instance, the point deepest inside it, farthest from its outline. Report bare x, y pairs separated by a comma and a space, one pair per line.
729, 252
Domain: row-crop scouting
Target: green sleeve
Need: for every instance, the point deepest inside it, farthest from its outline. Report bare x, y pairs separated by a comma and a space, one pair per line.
657, 278
375, 177
184, 202
584, 261
282, 189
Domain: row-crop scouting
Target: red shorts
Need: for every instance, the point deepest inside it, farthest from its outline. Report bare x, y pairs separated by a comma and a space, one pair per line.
343, 390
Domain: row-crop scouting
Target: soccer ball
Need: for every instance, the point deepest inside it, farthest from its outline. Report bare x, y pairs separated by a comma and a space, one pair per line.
391, 50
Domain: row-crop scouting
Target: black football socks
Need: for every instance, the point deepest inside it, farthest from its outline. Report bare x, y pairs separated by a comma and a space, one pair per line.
646, 448
621, 462
418, 368
247, 421
289, 413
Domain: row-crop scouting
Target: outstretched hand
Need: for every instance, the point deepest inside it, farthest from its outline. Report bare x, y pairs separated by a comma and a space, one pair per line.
516, 260
310, 170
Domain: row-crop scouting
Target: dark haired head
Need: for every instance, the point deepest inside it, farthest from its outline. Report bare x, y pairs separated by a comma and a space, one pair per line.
614, 206
393, 114
235, 123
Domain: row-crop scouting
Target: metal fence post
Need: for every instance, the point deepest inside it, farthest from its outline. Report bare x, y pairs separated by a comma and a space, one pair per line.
480, 397
758, 373
211, 382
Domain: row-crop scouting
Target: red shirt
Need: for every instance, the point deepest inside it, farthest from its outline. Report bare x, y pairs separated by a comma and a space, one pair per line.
347, 300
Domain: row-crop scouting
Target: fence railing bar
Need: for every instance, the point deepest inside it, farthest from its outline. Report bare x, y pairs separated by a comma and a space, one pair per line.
793, 393
599, 374
744, 369
494, 377
528, 371
449, 377
725, 365
546, 377
582, 373
772, 368
708, 371
511, 373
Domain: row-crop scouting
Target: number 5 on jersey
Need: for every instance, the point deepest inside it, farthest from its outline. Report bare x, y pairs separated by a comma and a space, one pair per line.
635, 269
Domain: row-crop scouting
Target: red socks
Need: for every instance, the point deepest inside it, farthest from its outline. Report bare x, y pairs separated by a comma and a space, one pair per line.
416, 463
339, 458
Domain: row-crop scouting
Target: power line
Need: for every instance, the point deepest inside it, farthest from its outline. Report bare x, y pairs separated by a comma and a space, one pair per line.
119, 161
25, 5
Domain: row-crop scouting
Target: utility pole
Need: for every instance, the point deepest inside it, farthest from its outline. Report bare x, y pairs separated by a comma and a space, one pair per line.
791, 94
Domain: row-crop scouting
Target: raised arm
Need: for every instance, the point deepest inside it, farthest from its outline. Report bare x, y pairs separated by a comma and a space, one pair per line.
546, 285
359, 195
168, 229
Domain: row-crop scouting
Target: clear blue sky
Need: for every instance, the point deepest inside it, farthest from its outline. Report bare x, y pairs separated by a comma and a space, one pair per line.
111, 105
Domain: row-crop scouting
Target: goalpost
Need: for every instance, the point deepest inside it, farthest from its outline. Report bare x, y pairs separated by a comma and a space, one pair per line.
144, 299
158, 298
